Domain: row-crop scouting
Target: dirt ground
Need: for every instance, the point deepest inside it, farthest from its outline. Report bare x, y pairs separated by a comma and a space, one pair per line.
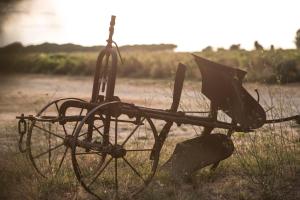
29, 93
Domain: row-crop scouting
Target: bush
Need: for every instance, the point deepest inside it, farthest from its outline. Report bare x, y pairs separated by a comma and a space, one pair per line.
286, 71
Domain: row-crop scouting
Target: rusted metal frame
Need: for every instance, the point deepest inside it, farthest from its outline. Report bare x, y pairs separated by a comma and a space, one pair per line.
177, 90
112, 73
55, 101
106, 53
97, 78
178, 118
101, 148
77, 104
110, 94
73, 118
31, 117
295, 117
74, 104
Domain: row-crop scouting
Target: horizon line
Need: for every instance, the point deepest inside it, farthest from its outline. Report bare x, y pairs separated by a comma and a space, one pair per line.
175, 49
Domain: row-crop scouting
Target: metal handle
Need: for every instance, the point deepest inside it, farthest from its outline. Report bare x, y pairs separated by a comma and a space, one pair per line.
111, 30
178, 85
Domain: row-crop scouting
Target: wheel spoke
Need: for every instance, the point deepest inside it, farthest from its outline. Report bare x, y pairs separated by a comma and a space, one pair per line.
48, 132
116, 131
56, 107
65, 130
82, 134
132, 132
100, 172
53, 148
133, 169
62, 159
116, 161
49, 145
116, 178
97, 129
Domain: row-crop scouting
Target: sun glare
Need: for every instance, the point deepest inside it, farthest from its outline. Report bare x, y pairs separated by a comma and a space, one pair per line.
191, 24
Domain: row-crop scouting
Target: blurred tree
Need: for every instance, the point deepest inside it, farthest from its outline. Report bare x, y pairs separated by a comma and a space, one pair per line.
12, 48
150, 47
235, 47
272, 48
297, 39
258, 46
207, 49
220, 49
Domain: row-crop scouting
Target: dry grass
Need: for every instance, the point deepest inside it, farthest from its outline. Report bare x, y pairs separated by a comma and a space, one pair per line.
265, 164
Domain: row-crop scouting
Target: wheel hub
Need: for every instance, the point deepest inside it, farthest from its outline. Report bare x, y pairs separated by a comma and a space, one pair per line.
69, 140
118, 151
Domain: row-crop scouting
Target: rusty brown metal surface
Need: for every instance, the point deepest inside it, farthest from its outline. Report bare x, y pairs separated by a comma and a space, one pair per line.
194, 154
223, 86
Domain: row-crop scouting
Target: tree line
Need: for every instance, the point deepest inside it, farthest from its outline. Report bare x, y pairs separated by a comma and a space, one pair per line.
18, 47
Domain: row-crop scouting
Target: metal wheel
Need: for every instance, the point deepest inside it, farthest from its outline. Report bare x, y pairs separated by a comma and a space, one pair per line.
45, 141
124, 147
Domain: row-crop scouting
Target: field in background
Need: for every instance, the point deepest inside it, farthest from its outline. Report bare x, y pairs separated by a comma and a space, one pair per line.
268, 66
265, 164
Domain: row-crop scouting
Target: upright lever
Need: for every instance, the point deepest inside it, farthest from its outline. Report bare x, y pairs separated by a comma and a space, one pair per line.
111, 31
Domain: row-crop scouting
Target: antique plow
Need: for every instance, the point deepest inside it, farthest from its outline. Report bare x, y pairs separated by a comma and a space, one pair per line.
115, 146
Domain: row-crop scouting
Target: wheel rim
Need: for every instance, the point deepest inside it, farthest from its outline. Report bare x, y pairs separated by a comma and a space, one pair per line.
127, 168
45, 144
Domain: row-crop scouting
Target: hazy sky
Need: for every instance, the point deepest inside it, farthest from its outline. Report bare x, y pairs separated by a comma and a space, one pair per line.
191, 24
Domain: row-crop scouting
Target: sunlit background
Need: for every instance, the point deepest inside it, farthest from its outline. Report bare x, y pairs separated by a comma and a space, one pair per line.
190, 24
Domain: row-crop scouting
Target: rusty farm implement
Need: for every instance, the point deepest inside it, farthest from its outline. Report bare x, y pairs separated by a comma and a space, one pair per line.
115, 146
